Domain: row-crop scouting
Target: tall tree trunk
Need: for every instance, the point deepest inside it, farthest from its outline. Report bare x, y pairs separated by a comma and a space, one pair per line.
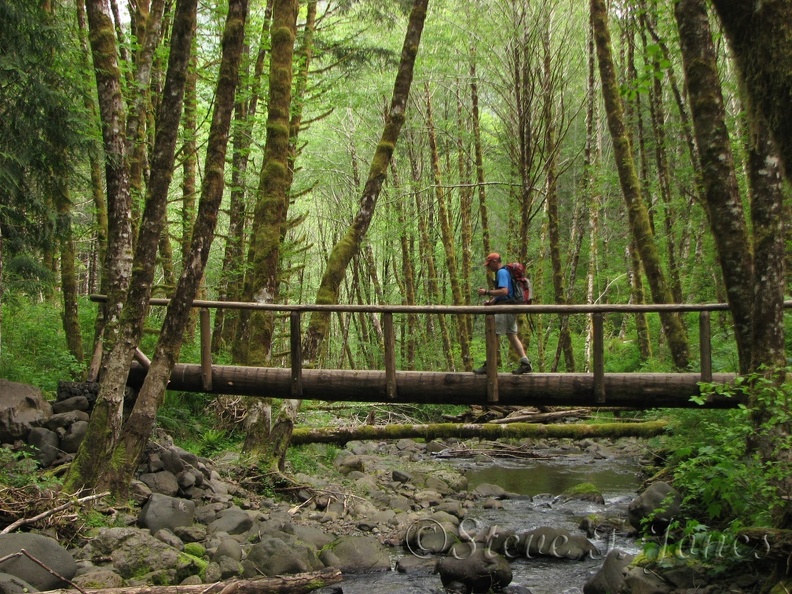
232, 277
721, 191
636, 208
261, 282
140, 424
446, 232
105, 425
104, 429
68, 257
348, 246
482, 192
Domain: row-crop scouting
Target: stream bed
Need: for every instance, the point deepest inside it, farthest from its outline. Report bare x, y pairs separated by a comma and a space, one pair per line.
535, 486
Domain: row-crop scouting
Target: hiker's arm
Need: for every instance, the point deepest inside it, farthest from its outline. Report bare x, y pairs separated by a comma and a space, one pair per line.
502, 291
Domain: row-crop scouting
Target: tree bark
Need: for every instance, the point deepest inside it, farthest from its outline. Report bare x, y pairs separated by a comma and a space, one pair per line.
760, 35
105, 425
721, 192
269, 217
631, 190
446, 233
348, 246
141, 421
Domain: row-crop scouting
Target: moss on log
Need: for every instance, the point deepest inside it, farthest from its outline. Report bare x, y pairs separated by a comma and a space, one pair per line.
469, 430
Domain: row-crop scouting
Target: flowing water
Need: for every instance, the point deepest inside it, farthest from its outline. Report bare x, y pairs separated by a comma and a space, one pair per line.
536, 485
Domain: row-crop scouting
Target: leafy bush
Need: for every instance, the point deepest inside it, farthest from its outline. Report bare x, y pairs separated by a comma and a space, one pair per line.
34, 349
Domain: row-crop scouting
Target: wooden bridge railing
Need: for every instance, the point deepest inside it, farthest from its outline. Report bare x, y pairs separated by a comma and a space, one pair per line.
387, 311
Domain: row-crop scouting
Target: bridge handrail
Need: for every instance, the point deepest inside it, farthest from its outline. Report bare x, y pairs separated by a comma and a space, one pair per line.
451, 309
389, 355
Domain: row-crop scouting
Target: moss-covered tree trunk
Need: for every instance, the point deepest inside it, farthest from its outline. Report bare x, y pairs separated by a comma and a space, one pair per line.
768, 87
232, 276
138, 428
261, 282
104, 428
631, 189
721, 191
348, 246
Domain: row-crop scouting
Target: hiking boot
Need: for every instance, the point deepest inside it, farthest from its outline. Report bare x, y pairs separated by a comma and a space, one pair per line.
481, 370
523, 368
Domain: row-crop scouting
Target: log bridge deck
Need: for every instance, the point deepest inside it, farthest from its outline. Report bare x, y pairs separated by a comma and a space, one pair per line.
595, 389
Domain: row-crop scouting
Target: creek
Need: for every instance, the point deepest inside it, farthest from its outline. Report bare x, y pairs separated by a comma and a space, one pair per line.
535, 486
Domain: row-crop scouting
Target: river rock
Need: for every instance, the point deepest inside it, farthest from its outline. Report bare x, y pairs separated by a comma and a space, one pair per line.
610, 577
554, 542
162, 511
356, 554
22, 407
281, 555
480, 571
135, 553
45, 444
658, 504
45, 549
231, 521
10, 584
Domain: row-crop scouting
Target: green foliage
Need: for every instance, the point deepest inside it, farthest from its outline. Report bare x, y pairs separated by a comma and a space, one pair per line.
19, 469
722, 480
34, 347
311, 457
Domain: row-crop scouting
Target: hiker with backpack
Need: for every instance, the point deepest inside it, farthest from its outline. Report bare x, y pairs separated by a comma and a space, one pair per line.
507, 292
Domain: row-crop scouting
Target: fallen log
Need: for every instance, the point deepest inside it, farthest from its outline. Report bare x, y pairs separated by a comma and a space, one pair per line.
286, 584
542, 417
468, 430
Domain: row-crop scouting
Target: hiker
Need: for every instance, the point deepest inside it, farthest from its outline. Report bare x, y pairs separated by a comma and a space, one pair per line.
505, 323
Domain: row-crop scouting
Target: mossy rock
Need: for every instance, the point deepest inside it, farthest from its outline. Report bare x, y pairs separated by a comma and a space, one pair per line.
584, 492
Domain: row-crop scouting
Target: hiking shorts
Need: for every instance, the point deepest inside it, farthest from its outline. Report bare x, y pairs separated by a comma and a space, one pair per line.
505, 323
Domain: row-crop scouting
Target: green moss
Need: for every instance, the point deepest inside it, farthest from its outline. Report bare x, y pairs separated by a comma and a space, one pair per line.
582, 489
195, 549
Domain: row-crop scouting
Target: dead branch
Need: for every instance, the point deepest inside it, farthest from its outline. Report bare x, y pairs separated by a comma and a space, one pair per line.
22, 521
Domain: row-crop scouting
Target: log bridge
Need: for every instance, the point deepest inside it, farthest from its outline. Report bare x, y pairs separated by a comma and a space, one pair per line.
595, 389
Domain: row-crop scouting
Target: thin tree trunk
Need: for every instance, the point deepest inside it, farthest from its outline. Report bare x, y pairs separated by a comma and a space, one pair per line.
636, 209
141, 421
446, 232
345, 249
68, 257
482, 193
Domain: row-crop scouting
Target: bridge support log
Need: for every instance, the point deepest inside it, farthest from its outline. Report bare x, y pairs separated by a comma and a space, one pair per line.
636, 390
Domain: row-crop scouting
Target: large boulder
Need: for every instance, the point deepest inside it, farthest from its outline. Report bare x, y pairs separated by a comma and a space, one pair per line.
45, 549
280, 555
22, 407
135, 553
356, 554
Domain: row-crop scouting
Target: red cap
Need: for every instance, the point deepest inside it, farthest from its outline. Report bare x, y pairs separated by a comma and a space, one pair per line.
493, 256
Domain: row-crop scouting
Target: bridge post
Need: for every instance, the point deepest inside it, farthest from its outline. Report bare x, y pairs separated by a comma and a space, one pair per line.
390, 355
296, 354
705, 346
599, 357
206, 349
492, 358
